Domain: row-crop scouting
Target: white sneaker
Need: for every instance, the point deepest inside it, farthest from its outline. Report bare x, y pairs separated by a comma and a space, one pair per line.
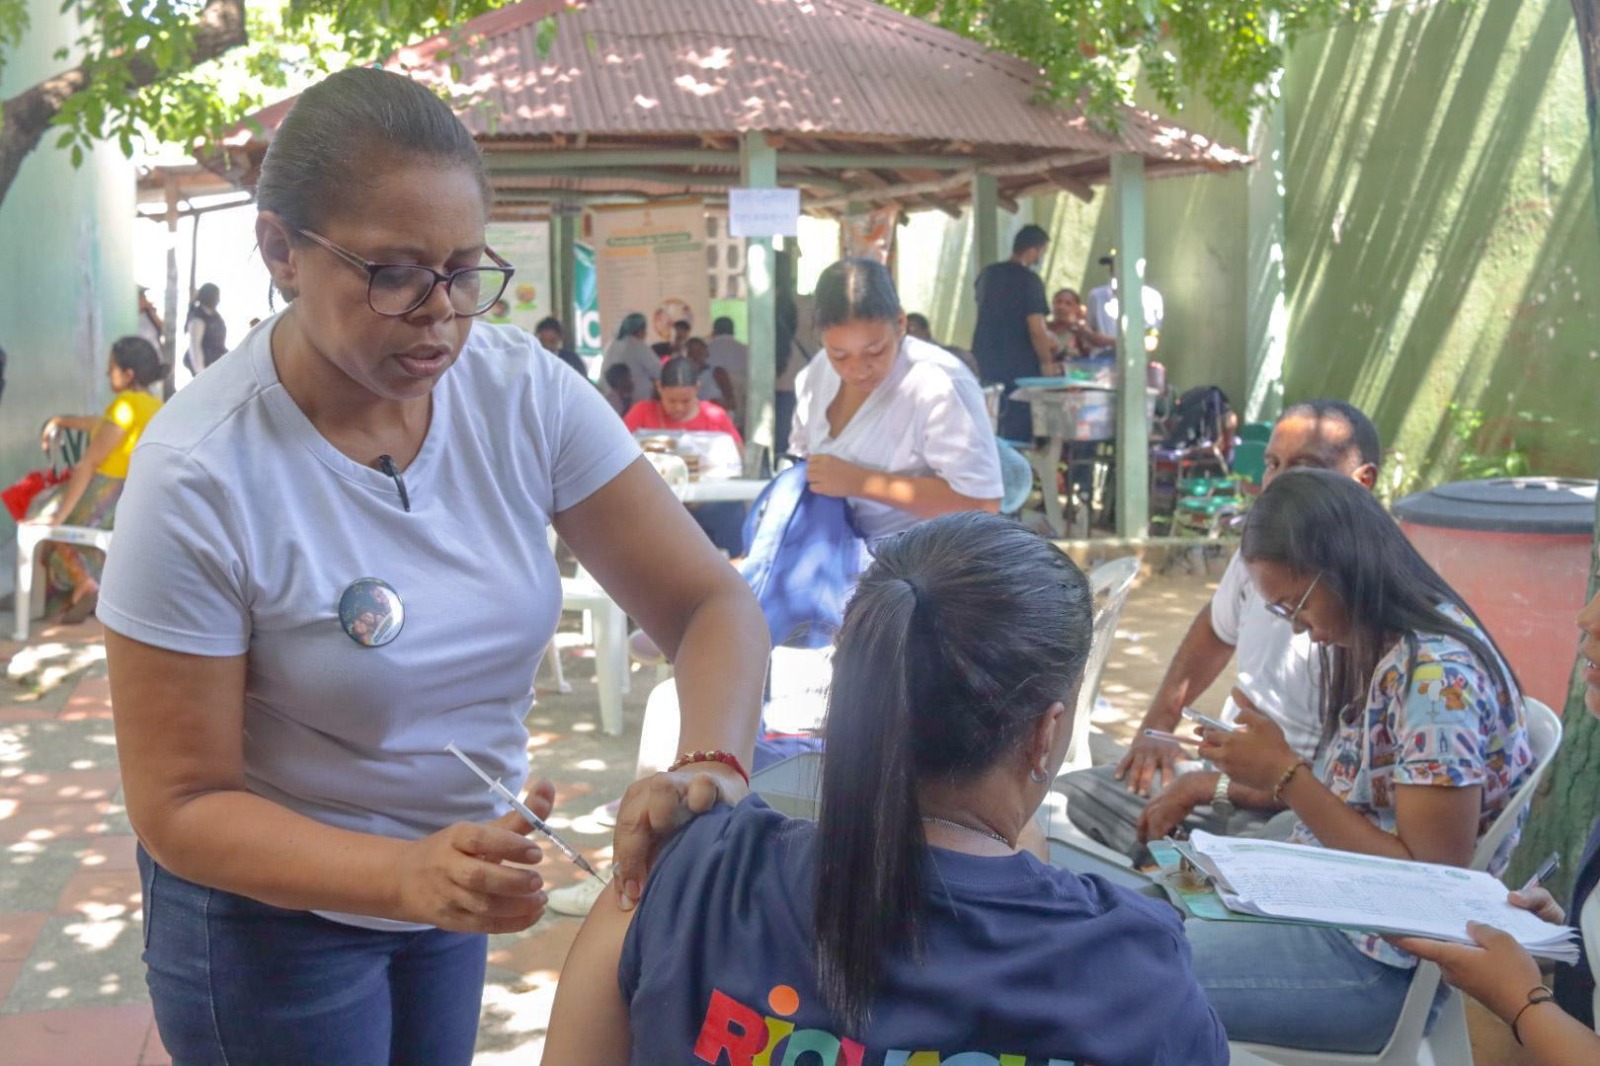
575, 901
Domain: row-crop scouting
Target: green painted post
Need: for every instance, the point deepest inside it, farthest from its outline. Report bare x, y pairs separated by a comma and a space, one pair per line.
1133, 423
985, 223
564, 218
758, 166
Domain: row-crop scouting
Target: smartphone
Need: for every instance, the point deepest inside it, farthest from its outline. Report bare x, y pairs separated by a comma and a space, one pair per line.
1208, 721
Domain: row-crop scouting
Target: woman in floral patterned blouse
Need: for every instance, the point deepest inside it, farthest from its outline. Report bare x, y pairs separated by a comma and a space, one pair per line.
1424, 743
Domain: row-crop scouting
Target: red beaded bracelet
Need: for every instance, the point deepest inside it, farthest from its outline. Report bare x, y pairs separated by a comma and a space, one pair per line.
726, 758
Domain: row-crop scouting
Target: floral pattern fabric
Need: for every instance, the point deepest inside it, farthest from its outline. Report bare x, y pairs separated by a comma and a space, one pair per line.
1450, 725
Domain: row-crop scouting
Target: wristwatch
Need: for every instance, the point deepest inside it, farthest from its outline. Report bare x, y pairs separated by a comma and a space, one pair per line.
1221, 805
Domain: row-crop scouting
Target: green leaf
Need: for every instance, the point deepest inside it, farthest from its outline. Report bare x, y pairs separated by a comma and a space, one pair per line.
544, 37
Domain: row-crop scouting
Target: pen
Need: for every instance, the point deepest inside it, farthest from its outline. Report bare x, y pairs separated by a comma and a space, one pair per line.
1208, 721
1551, 864
1162, 734
521, 808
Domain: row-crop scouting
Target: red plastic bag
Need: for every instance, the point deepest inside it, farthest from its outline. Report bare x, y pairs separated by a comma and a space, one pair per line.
29, 485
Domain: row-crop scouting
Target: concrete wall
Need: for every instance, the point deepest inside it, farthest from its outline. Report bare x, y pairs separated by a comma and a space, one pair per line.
66, 268
1442, 237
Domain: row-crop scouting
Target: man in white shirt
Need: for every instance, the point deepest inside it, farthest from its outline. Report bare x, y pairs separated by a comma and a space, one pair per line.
731, 356
1276, 666
1102, 308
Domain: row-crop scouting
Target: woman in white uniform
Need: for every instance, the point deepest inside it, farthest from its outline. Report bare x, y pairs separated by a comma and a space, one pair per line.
332, 563
895, 424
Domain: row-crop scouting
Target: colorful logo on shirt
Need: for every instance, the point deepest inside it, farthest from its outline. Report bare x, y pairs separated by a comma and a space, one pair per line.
736, 1035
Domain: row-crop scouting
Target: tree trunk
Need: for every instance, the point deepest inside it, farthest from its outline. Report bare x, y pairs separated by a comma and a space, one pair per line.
218, 27
1569, 800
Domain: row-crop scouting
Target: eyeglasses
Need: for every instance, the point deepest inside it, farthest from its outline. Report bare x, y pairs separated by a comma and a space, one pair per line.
1290, 615
396, 289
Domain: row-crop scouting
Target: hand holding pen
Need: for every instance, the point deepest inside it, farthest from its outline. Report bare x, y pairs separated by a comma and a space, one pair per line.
1533, 896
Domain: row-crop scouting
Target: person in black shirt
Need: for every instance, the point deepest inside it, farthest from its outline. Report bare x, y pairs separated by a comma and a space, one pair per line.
553, 338
208, 334
1011, 340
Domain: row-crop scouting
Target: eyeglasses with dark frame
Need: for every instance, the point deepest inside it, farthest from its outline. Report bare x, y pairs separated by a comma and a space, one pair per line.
397, 289
1286, 613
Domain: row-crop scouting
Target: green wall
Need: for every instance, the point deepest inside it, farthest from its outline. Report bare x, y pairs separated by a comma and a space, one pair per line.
1441, 242
1442, 239
1194, 246
66, 268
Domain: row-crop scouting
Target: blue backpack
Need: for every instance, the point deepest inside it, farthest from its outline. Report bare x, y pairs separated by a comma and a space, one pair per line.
803, 554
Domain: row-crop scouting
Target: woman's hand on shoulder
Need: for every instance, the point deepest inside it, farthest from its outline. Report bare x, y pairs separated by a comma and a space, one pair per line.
656, 807
457, 878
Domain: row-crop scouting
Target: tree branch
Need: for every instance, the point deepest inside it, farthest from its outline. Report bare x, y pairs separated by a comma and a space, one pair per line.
218, 28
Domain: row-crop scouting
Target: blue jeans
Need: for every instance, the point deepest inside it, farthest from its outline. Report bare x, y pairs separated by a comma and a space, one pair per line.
235, 982
1296, 986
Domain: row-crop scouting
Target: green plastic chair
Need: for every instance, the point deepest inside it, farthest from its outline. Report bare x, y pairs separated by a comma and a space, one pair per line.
1250, 460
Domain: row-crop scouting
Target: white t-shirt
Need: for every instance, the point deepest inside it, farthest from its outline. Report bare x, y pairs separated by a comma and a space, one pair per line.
640, 359
241, 526
1102, 308
927, 419
1275, 664
730, 354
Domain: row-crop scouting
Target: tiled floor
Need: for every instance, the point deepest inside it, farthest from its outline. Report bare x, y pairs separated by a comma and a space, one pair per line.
72, 987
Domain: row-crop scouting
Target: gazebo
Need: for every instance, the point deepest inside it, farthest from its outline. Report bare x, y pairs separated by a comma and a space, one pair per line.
854, 104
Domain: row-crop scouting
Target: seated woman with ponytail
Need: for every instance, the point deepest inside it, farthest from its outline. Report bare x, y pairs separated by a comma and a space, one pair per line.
905, 920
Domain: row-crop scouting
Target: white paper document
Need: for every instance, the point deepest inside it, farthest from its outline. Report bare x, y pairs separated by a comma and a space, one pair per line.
1295, 882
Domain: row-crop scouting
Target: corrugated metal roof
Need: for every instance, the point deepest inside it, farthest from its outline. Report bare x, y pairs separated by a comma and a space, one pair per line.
844, 78
840, 68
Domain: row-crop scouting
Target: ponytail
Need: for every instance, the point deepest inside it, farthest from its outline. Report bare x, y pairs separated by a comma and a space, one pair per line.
965, 629
871, 869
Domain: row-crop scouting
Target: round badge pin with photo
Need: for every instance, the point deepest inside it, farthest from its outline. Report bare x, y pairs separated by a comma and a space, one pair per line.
370, 612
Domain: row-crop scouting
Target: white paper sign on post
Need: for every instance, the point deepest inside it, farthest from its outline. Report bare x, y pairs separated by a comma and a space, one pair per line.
763, 212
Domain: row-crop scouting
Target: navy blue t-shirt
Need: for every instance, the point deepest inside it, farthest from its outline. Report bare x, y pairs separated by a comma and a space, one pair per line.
1023, 965
1007, 294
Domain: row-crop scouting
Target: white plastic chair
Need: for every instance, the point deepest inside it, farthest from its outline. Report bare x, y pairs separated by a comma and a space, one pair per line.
606, 627
28, 600
1111, 582
1448, 1044
992, 395
793, 786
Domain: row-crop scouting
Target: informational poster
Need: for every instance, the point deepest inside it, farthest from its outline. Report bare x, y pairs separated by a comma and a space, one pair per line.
652, 259
586, 304
526, 246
